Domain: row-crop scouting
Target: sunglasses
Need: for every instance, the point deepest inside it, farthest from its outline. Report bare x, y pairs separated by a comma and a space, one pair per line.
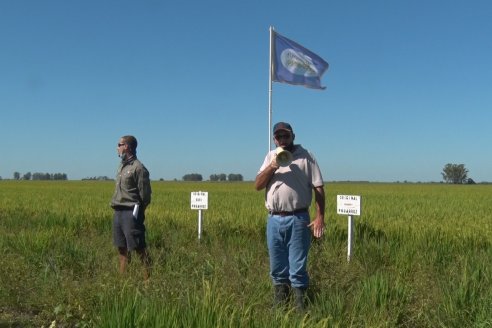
282, 136
121, 144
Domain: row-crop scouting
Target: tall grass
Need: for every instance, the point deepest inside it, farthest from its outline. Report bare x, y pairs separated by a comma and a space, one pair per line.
422, 258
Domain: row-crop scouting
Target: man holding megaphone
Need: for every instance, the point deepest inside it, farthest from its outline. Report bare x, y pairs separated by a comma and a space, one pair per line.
290, 174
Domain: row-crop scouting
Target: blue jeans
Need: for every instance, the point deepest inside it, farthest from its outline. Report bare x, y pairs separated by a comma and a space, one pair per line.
289, 239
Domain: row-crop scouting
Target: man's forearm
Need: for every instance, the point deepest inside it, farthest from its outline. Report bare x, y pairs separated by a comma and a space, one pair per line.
264, 176
319, 197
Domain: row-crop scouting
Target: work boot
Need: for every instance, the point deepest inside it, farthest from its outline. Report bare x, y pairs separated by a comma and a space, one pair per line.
281, 295
300, 298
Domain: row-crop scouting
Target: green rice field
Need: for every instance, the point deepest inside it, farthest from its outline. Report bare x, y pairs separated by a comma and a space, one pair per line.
422, 258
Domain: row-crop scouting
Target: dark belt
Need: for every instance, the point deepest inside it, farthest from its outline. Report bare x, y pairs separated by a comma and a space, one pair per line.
122, 208
285, 213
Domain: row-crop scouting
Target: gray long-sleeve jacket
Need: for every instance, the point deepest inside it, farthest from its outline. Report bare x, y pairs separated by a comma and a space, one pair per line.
132, 185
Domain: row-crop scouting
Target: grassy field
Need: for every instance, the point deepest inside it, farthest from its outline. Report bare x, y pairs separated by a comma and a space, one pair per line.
422, 258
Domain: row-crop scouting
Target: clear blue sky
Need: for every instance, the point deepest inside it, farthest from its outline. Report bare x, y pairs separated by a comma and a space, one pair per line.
408, 88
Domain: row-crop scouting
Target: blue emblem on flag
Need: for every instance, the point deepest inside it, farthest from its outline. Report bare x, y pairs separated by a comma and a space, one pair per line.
294, 64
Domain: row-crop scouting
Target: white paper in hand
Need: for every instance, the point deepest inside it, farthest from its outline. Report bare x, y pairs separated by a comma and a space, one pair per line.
135, 211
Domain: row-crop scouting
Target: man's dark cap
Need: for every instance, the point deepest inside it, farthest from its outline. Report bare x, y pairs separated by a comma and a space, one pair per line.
282, 126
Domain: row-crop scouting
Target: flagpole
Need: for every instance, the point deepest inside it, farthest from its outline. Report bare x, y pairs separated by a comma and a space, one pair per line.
270, 68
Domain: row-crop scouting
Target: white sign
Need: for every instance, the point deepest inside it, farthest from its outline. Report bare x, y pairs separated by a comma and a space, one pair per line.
348, 205
199, 200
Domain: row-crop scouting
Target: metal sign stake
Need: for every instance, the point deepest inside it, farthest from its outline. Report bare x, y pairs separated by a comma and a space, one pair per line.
200, 218
350, 237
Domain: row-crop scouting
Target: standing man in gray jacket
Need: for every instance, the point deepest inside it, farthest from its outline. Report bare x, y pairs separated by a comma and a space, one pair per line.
130, 199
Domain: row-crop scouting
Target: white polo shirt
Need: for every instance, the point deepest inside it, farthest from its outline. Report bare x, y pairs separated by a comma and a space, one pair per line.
291, 187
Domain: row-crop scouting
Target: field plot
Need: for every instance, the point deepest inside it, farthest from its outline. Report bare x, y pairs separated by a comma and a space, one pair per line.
422, 258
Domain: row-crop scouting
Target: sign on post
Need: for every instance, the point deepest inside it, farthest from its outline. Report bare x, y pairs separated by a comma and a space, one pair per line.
199, 201
349, 205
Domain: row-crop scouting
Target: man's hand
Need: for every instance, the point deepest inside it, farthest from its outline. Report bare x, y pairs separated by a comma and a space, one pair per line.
273, 163
318, 227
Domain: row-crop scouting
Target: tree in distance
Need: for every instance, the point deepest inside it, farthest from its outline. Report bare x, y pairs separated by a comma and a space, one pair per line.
218, 177
192, 177
455, 173
235, 177
224, 177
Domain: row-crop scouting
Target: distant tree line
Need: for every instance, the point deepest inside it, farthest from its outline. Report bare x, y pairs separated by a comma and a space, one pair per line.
224, 177
192, 177
213, 177
40, 176
218, 177
451, 173
234, 177
99, 178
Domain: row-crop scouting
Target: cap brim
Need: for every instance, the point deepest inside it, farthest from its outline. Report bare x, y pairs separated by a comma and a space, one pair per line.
282, 129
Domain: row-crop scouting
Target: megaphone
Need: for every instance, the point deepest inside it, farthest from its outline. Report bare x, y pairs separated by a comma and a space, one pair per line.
284, 157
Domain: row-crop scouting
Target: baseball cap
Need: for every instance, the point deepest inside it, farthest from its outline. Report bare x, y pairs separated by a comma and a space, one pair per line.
282, 126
